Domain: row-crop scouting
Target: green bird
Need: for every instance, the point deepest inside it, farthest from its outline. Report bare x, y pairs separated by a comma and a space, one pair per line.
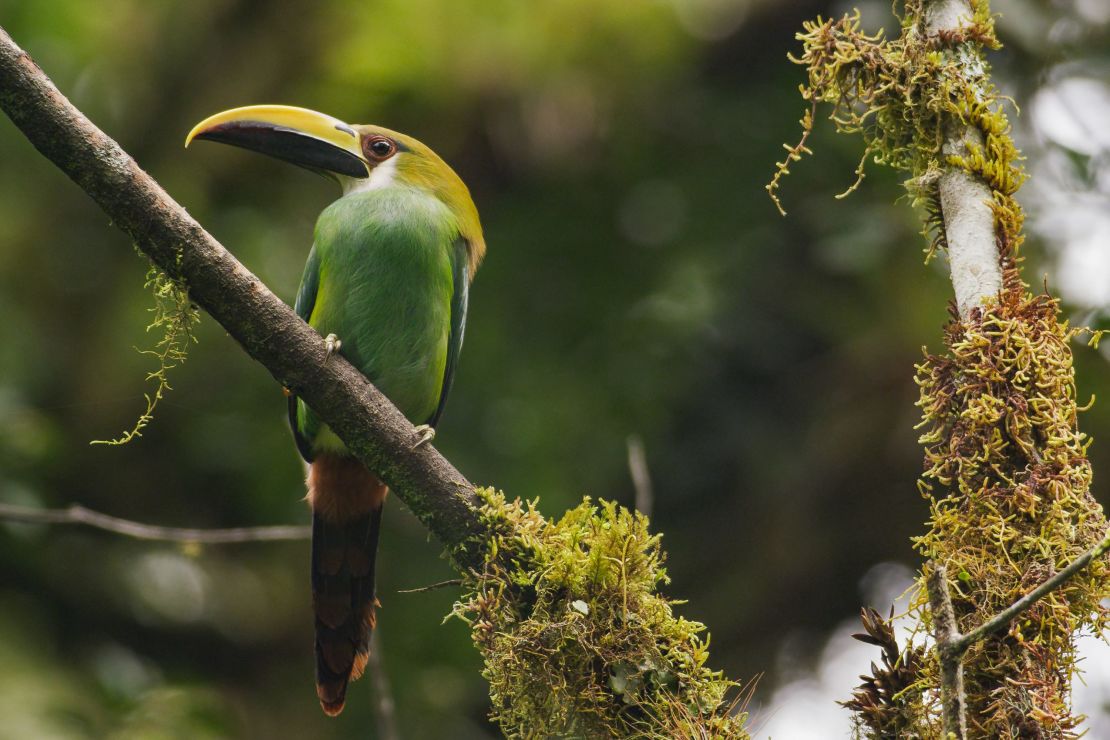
386, 284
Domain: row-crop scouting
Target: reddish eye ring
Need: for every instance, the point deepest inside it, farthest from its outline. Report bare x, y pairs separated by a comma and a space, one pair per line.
379, 148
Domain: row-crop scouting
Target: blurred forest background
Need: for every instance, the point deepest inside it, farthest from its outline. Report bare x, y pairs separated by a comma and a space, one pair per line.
639, 282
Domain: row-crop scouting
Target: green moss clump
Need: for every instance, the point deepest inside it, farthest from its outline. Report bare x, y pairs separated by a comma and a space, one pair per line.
577, 642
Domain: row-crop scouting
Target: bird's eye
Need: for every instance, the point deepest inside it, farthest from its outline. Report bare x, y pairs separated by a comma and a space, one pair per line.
379, 147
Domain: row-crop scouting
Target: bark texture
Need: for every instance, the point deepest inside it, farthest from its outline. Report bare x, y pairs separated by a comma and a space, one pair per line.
966, 200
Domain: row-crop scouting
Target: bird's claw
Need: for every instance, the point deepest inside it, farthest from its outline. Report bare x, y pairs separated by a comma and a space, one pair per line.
425, 433
332, 344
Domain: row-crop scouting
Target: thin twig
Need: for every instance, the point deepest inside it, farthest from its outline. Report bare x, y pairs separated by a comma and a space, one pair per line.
641, 476
953, 699
77, 514
386, 714
432, 587
1012, 612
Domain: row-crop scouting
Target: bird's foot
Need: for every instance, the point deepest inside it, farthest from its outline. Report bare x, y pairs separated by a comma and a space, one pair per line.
286, 392
332, 344
425, 433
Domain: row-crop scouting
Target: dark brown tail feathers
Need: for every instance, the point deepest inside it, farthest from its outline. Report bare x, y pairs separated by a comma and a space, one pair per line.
347, 503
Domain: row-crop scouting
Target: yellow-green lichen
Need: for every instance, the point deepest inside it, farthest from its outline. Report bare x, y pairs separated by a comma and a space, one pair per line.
906, 97
175, 316
576, 639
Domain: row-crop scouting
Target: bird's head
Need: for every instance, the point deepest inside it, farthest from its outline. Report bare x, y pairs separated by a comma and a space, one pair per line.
358, 157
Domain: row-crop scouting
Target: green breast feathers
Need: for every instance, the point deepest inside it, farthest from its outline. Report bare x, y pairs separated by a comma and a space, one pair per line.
388, 275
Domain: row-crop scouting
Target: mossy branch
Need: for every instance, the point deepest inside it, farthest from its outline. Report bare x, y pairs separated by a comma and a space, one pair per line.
925, 111
570, 607
1007, 474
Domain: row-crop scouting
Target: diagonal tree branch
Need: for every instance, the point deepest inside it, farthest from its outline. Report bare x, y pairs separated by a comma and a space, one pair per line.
1022, 605
952, 645
375, 431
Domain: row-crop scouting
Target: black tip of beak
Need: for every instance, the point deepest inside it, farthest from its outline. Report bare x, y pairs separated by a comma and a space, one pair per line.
288, 145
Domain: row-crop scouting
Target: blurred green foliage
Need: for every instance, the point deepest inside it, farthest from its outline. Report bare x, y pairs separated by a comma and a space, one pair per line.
639, 281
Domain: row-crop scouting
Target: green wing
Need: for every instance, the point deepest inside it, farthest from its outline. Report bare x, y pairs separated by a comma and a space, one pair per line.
460, 260
306, 300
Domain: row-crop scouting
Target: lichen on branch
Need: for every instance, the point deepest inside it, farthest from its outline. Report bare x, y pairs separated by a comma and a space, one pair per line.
906, 97
174, 317
576, 639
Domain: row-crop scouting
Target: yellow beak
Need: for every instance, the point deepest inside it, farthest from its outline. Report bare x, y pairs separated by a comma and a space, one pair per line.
298, 135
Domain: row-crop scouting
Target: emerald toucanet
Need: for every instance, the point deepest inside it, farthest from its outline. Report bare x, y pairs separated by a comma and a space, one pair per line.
386, 284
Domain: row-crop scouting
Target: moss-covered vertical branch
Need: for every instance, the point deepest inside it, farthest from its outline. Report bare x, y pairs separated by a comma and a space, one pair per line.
963, 197
1006, 471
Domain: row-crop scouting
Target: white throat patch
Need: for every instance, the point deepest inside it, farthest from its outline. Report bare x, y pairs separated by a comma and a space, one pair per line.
380, 177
